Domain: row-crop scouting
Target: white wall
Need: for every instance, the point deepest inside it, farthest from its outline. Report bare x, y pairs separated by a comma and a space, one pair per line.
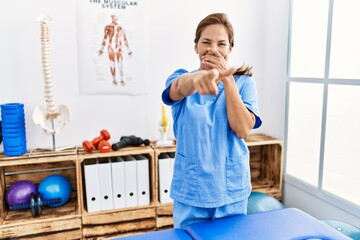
171, 26
273, 85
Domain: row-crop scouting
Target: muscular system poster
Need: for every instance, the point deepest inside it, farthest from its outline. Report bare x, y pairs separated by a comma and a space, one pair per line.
111, 47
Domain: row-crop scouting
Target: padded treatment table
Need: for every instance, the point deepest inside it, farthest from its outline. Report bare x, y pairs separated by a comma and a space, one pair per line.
169, 234
282, 224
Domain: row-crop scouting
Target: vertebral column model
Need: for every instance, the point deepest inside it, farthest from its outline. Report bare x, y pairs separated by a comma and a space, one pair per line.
44, 116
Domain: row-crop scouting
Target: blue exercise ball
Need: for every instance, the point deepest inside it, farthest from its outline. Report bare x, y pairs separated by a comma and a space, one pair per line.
345, 228
261, 202
55, 186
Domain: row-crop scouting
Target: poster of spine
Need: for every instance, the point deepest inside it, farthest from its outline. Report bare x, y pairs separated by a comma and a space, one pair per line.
111, 37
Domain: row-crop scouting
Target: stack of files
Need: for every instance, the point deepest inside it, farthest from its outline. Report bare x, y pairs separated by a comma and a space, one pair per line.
98, 184
130, 181
166, 170
117, 182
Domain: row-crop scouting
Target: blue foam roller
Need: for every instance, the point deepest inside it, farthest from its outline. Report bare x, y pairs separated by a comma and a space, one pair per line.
12, 107
0, 133
13, 129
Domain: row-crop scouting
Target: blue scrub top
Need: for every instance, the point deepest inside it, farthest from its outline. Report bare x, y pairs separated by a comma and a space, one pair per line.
211, 163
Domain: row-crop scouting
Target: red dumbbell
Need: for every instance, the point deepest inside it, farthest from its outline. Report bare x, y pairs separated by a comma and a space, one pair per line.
104, 146
89, 146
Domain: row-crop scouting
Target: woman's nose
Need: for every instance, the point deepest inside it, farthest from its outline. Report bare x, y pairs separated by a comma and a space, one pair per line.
212, 49
213, 46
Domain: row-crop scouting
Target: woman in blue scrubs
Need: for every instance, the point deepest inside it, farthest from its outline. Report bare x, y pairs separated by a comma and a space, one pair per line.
213, 108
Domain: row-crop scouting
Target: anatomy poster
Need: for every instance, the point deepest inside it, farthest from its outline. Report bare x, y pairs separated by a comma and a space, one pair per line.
111, 47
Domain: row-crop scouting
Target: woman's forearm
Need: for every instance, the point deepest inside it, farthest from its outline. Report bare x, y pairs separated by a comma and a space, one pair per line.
241, 120
182, 87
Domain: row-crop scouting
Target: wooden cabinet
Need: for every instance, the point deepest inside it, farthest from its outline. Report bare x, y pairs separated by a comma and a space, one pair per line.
57, 223
164, 212
73, 221
266, 159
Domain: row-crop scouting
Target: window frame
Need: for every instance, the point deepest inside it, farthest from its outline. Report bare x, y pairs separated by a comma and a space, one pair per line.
317, 191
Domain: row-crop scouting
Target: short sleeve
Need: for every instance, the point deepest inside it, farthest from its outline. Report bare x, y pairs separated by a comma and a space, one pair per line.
165, 94
250, 98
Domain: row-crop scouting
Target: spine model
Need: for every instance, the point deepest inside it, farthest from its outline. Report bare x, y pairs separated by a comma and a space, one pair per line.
51, 108
45, 116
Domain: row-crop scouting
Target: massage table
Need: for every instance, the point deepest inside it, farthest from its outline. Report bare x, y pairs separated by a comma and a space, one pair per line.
282, 224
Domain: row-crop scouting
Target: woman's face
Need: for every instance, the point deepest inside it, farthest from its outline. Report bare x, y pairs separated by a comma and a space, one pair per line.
213, 42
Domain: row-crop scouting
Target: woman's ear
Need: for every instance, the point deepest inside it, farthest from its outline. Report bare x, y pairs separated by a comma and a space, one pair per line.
195, 47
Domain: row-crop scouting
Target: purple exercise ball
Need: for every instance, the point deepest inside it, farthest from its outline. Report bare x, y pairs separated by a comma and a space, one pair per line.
20, 192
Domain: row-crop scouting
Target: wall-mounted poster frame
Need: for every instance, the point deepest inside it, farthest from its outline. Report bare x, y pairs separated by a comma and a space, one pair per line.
112, 52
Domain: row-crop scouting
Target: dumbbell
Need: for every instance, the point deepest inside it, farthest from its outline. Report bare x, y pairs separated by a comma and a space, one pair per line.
104, 146
99, 142
35, 204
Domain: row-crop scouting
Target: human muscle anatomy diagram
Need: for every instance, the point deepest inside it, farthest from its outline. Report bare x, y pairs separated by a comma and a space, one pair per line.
115, 39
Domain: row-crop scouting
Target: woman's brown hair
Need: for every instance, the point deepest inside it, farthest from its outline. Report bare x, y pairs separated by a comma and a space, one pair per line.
221, 18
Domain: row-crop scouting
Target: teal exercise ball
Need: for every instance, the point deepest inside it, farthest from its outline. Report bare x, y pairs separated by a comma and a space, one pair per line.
345, 228
261, 202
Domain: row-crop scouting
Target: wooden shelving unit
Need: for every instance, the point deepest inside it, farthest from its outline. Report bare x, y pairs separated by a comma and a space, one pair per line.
57, 223
123, 221
73, 221
266, 161
164, 212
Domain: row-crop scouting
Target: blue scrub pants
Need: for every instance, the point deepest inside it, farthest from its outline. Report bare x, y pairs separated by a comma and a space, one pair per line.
185, 215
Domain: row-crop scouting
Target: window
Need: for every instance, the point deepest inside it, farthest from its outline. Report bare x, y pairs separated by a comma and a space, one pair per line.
304, 124
308, 40
323, 99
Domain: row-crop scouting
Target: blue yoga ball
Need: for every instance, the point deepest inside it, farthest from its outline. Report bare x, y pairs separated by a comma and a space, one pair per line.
55, 186
261, 202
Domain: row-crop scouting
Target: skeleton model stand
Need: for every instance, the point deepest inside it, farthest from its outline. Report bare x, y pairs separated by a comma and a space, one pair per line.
51, 118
